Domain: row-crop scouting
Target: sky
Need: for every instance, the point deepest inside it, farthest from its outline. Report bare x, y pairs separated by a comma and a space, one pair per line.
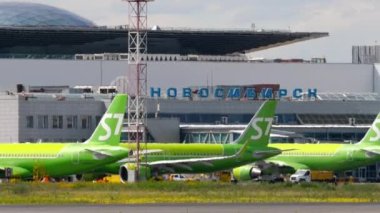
349, 22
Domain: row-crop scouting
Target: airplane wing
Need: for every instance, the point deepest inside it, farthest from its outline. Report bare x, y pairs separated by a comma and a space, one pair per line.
272, 163
147, 151
99, 154
287, 150
292, 165
186, 164
371, 152
262, 154
132, 155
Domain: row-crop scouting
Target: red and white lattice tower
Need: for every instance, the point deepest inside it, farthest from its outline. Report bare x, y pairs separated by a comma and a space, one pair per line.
137, 73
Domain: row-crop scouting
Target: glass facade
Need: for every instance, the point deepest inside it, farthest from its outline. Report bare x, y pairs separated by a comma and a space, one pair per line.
320, 134
18, 14
198, 118
227, 137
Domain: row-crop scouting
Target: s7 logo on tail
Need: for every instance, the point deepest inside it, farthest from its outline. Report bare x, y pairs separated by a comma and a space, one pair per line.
376, 130
106, 126
258, 129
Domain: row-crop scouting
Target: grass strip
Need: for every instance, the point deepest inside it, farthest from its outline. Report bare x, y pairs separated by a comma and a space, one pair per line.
185, 192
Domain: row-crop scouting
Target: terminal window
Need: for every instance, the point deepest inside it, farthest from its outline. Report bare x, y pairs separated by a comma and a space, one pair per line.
97, 119
72, 122
86, 122
43, 121
29, 122
57, 121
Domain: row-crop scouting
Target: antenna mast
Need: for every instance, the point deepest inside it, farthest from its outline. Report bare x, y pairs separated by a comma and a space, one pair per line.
137, 74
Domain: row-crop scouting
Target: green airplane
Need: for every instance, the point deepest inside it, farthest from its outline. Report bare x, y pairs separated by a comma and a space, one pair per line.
163, 158
63, 159
319, 157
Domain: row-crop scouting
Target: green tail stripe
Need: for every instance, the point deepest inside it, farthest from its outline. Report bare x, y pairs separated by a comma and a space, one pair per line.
109, 128
257, 132
373, 134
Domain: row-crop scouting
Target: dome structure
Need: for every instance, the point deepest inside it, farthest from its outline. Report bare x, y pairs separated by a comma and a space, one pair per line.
20, 14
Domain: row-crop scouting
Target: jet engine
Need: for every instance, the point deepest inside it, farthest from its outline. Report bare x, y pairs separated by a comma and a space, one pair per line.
127, 172
246, 173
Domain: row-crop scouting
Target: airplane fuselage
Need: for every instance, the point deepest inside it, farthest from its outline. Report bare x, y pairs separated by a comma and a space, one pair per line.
54, 159
326, 157
157, 152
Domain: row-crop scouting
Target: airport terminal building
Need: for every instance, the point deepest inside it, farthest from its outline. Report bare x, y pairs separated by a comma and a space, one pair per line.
200, 89
316, 105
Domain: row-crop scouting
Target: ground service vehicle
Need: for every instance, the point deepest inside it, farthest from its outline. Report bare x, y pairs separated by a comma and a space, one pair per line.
305, 175
177, 177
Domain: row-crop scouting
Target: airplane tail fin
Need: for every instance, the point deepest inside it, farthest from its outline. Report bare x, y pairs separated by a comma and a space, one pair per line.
372, 137
257, 132
108, 130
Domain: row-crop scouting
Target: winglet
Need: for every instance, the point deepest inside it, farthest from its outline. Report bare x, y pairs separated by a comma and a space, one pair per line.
108, 130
